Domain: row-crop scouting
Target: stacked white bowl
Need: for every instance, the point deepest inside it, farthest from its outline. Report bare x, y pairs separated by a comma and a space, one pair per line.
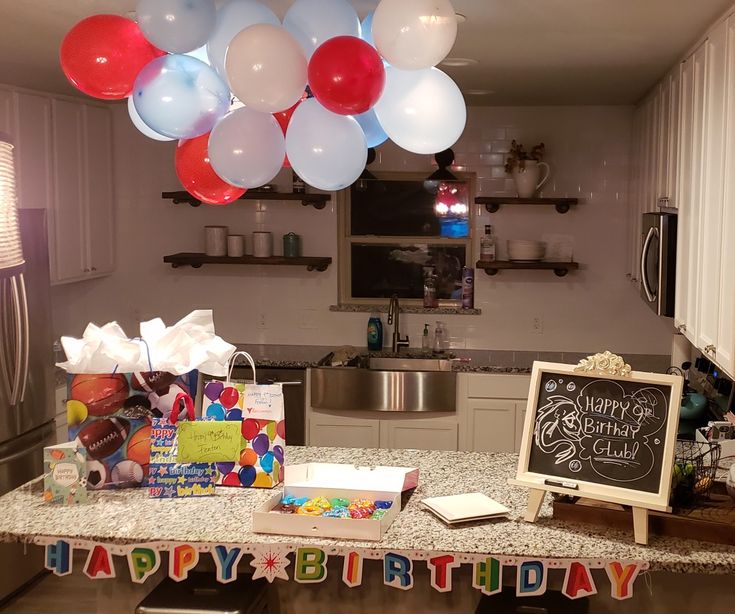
519, 249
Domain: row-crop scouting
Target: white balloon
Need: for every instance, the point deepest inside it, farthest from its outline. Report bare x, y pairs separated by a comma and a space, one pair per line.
328, 151
232, 18
311, 22
422, 111
142, 126
247, 148
176, 26
414, 34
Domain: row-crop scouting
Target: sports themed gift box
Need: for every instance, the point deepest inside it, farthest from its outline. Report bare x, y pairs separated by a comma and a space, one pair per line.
259, 409
110, 415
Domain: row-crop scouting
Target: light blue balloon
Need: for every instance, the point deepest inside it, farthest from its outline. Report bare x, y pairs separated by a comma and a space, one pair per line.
232, 18
180, 97
374, 133
328, 151
176, 26
311, 22
366, 29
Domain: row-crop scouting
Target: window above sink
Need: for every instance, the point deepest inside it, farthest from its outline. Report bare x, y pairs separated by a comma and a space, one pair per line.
395, 226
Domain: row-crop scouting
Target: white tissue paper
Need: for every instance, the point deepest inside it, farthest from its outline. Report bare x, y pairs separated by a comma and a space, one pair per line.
189, 344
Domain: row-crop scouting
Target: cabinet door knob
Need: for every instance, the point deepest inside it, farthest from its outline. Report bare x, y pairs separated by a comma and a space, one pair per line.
86, 270
681, 328
94, 268
710, 349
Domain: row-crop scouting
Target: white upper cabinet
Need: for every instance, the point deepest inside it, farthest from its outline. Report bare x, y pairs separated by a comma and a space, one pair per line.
63, 151
725, 346
67, 226
711, 122
705, 196
81, 221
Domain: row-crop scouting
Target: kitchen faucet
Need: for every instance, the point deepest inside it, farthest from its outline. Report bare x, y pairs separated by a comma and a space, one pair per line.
394, 317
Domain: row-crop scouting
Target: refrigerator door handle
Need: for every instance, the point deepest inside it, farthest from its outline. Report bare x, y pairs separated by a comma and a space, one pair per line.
5, 338
25, 339
18, 349
21, 453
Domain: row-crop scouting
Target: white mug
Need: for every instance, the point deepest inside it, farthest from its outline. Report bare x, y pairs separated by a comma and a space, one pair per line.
235, 246
262, 244
215, 240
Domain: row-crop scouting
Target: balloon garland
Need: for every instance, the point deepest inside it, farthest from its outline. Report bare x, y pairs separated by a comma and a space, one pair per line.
181, 63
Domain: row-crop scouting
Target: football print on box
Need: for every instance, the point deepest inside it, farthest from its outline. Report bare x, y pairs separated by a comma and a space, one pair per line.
110, 416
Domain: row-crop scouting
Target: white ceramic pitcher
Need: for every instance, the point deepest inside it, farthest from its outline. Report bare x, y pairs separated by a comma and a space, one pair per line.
527, 179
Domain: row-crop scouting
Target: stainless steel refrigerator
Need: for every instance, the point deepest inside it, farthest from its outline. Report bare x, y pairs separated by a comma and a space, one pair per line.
26, 384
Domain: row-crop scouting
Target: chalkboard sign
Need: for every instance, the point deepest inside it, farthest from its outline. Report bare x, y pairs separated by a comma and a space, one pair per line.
603, 436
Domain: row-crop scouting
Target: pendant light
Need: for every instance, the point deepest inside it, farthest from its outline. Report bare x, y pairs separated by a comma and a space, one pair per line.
11, 250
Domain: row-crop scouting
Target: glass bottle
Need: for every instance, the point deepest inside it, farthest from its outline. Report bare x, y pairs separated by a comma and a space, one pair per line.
487, 245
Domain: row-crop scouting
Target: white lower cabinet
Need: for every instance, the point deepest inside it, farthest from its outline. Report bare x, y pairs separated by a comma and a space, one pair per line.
412, 431
490, 411
338, 429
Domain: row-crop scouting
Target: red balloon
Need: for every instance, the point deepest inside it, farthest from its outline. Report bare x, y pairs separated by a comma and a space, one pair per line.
103, 54
346, 75
197, 175
284, 118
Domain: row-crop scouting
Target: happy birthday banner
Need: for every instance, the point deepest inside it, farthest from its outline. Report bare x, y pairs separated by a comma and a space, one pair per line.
270, 561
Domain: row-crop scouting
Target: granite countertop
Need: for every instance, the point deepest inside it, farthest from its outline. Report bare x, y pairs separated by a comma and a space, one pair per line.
129, 516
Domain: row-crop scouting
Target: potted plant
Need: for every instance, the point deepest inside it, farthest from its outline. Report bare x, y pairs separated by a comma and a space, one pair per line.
525, 168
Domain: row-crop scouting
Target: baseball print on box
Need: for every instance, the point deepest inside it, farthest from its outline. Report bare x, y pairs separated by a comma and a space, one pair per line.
110, 416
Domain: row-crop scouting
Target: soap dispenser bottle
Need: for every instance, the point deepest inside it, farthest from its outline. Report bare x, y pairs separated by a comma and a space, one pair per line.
439, 338
375, 333
425, 340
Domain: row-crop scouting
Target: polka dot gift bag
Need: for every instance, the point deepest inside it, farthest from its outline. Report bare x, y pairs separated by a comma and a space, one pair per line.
259, 408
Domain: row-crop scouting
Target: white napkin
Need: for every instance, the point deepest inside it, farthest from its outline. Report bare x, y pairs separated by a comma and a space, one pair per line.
189, 344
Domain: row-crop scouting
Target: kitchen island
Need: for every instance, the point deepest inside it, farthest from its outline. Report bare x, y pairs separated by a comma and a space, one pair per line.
130, 517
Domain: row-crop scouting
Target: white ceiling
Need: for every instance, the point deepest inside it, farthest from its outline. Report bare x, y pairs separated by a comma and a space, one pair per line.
529, 51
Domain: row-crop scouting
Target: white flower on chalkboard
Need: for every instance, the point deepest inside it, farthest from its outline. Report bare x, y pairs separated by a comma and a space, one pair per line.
605, 363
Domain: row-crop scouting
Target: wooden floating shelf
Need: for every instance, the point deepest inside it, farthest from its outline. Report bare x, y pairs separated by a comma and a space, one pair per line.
560, 268
196, 260
493, 203
318, 201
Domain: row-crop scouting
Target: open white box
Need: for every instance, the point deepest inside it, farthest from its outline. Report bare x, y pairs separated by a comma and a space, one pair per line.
335, 480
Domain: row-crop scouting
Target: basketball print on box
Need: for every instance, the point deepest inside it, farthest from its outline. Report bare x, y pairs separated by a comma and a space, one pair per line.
110, 416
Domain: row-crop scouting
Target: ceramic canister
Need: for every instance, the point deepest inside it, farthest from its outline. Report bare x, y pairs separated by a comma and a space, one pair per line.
262, 244
215, 240
235, 246
291, 245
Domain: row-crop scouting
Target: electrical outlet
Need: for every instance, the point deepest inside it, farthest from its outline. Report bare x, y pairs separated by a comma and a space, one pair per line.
537, 326
262, 321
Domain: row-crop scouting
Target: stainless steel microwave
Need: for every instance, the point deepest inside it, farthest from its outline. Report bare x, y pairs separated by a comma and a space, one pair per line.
658, 262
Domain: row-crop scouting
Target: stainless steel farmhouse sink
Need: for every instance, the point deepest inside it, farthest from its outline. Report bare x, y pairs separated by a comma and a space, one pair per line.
387, 385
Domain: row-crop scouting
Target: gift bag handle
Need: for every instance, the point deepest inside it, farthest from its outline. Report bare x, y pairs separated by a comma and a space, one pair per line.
147, 351
231, 363
176, 410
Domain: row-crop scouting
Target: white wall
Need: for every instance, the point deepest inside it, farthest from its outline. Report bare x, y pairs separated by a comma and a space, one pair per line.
593, 309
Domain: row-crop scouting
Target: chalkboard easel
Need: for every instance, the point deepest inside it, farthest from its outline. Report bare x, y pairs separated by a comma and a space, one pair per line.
601, 431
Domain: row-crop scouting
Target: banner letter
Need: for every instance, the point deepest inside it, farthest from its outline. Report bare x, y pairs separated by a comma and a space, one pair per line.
441, 572
226, 563
487, 576
397, 571
58, 558
311, 565
99, 563
578, 581
143, 563
181, 560
352, 569
531, 579
621, 579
